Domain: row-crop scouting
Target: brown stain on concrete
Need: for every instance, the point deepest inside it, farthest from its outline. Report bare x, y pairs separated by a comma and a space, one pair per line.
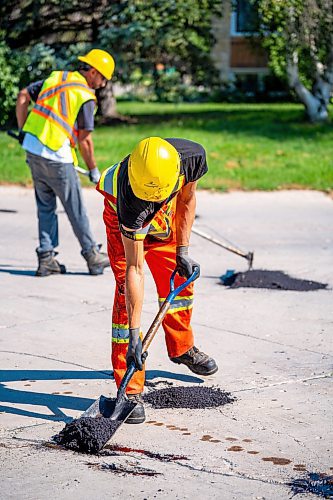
235, 448
300, 467
231, 439
253, 452
206, 437
247, 440
277, 460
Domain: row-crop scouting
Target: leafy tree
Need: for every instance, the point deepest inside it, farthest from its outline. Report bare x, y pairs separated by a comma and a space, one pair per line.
168, 40
299, 37
168, 43
8, 83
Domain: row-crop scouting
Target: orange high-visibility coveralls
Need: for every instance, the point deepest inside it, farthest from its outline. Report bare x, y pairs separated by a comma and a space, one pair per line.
161, 259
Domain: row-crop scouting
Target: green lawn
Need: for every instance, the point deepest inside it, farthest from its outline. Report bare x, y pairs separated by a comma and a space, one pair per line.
248, 146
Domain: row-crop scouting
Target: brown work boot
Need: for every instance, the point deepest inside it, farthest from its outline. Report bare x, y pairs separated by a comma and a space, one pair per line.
197, 361
138, 415
97, 261
48, 265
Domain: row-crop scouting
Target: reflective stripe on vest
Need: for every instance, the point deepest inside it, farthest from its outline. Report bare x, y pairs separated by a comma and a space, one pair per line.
108, 183
47, 113
52, 119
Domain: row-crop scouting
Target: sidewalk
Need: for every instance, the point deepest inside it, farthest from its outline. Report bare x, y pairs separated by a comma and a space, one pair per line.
274, 350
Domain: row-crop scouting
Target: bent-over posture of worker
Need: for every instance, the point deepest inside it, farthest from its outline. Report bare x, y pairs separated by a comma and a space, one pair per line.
148, 212
62, 116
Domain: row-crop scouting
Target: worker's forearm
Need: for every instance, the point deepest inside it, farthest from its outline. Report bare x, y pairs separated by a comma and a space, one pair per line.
185, 213
134, 295
86, 147
22, 105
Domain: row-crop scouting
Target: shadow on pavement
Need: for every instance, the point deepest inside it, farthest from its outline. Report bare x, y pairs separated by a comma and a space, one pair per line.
151, 374
22, 272
57, 402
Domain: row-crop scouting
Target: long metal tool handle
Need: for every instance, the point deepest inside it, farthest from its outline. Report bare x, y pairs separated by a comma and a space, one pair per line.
248, 256
82, 171
13, 134
156, 324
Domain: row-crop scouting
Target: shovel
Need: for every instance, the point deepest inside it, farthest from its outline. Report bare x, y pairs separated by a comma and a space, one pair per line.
247, 255
120, 408
80, 170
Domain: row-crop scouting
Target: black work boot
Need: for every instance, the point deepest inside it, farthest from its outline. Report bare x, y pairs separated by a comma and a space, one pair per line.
96, 260
197, 361
47, 264
138, 415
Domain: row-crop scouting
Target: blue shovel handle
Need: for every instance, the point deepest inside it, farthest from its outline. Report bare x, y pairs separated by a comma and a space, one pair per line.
175, 291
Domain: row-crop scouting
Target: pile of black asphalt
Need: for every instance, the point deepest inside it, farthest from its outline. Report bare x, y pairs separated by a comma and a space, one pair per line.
193, 397
276, 280
87, 434
90, 434
315, 483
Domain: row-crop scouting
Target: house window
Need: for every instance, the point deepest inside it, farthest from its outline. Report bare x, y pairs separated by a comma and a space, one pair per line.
245, 18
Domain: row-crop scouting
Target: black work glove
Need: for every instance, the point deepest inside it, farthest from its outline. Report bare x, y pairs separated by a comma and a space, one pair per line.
21, 136
134, 352
185, 265
94, 175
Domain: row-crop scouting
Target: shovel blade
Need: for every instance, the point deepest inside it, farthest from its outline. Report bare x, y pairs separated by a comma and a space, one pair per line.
114, 409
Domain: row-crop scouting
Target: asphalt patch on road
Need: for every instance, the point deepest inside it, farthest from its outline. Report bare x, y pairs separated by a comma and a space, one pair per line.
116, 450
275, 280
192, 397
317, 484
124, 471
87, 434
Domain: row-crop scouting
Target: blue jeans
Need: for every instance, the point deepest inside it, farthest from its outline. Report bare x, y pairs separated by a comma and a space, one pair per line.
52, 179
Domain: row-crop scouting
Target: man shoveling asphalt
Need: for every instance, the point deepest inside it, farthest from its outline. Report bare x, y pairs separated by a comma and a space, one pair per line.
149, 210
62, 116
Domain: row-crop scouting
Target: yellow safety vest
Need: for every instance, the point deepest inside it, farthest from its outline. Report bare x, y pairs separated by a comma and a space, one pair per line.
52, 119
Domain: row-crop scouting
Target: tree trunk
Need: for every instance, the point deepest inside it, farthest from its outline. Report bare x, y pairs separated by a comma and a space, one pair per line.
107, 107
107, 104
315, 102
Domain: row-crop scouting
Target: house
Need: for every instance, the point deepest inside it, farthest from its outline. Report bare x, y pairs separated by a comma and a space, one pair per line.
240, 59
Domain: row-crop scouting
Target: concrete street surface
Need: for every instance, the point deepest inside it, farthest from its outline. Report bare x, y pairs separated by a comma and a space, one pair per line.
273, 348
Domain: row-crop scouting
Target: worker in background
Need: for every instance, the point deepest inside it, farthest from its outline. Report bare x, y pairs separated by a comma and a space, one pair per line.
62, 118
149, 210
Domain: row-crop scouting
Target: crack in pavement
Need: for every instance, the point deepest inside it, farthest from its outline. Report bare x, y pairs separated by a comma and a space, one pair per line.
109, 373
239, 475
262, 339
57, 318
64, 317
284, 382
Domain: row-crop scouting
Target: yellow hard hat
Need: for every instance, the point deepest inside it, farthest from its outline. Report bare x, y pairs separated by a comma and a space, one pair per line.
100, 60
153, 169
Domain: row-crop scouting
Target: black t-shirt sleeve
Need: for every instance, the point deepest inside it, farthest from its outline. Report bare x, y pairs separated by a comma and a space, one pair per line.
34, 89
193, 158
